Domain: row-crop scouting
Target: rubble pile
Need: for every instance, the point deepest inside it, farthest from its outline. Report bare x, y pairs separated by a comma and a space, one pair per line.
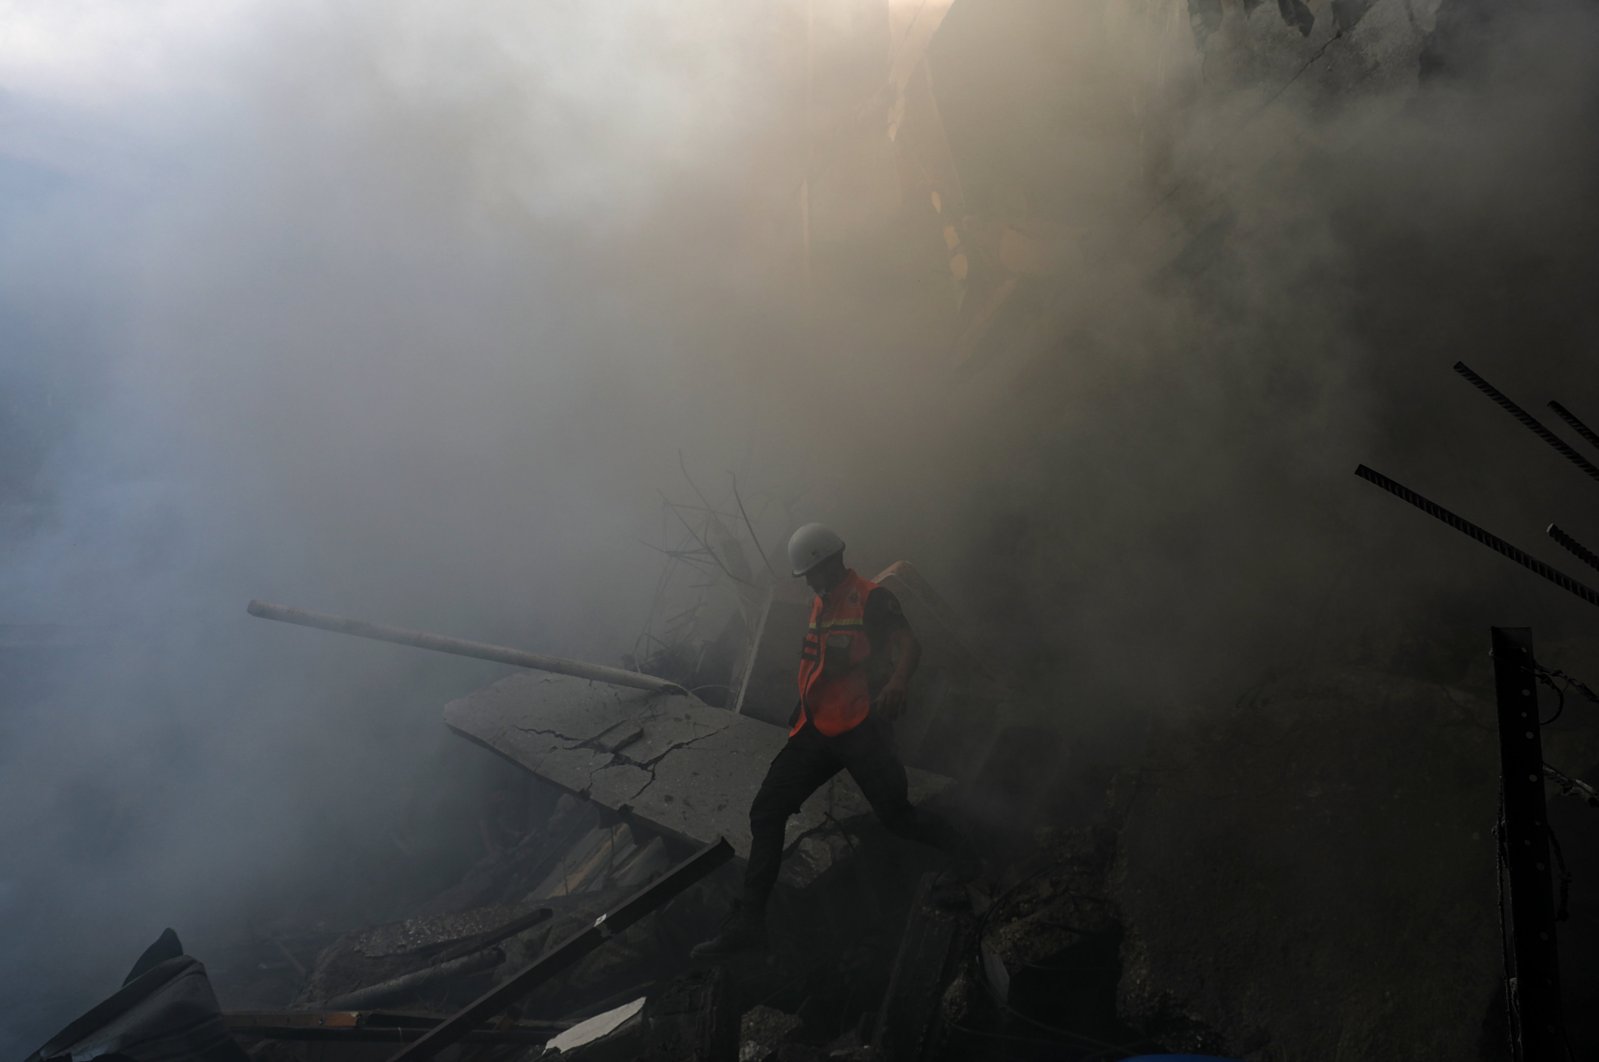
1311, 873
1239, 885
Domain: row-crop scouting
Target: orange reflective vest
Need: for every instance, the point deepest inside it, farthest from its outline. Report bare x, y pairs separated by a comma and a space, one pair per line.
833, 681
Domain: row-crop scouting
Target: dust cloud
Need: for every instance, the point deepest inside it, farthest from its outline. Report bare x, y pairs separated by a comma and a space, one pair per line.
405, 313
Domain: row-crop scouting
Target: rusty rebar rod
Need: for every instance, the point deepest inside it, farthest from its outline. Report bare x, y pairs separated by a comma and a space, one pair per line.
1572, 546
1528, 421
1576, 425
1487, 538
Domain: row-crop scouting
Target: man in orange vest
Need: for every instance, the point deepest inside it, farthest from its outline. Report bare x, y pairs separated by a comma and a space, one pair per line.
854, 674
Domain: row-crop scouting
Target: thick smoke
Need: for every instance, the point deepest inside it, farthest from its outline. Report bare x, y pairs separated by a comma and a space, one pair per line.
378, 309
396, 311
1281, 291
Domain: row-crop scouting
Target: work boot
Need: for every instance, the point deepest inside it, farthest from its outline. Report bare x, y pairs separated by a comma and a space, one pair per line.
744, 933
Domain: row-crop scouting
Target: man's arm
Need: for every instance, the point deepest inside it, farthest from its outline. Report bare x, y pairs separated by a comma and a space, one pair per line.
883, 613
907, 654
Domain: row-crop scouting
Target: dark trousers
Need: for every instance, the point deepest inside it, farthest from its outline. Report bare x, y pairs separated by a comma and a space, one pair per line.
803, 766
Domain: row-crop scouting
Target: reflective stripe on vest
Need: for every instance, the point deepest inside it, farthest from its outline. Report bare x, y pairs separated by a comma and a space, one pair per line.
834, 695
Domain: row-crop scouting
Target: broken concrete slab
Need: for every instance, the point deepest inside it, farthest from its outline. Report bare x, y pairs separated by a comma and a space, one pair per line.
690, 772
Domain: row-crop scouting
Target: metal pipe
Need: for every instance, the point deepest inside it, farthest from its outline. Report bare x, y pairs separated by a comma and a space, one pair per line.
461, 647
405, 984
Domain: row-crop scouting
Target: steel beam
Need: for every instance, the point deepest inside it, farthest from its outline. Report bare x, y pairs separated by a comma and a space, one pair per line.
568, 952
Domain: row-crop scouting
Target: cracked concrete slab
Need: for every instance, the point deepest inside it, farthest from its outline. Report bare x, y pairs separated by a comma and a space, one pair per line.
674, 762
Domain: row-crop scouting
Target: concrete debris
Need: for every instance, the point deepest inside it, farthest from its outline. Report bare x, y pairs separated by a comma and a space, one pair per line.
683, 1019
643, 865
506, 877
165, 1010
591, 864
447, 936
564, 955
589, 1033
1307, 873
688, 772
762, 1031
686, 1018
407, 985
910, 1023
388, 954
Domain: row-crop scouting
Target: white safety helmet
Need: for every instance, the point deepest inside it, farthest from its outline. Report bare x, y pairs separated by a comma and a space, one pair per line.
811, 545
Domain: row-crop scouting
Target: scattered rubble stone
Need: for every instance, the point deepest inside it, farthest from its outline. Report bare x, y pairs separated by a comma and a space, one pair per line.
762, 1031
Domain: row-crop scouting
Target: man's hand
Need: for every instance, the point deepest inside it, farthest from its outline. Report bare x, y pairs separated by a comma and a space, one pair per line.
891, 701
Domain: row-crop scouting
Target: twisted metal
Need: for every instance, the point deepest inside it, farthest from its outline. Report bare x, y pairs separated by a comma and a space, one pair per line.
1570, 681
1570, 786
1487, 538
1528, 421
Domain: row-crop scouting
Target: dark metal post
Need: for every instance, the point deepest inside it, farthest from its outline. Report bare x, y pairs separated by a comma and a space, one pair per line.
1533, 967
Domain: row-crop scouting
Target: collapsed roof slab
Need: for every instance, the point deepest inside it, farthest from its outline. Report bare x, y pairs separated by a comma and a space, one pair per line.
673, 761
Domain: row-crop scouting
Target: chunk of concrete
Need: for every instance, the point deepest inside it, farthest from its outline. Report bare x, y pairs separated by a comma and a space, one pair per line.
762, 1031
613, 1024
690, 771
